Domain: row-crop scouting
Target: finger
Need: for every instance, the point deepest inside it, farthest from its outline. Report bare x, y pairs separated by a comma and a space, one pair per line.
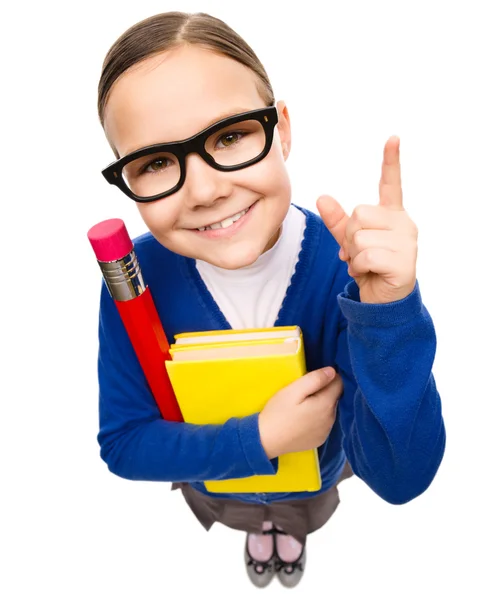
328, 396
337, 389
334, 217
390, 182
374, 260
312, 382
363, 239
366, 216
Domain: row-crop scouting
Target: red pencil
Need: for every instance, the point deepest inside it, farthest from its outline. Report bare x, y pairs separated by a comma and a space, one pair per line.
122, 275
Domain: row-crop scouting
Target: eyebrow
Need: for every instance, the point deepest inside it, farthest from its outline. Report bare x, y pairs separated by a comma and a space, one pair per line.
235, 111
224, 115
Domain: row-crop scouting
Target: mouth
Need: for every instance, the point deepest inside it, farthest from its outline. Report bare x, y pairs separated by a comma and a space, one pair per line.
227, 226
225, 223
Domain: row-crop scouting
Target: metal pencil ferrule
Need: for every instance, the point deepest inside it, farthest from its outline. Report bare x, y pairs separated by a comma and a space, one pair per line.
123, 277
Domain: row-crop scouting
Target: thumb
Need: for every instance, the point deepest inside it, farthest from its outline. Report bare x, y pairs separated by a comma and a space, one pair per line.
312, 382
334, 217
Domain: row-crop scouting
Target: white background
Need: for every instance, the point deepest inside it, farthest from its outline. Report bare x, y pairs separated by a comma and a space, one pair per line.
352, 73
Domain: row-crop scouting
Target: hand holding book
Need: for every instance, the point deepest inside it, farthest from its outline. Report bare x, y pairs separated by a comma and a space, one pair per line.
220, 375
300, 416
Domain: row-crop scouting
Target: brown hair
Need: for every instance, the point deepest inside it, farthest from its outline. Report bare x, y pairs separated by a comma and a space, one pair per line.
170, 30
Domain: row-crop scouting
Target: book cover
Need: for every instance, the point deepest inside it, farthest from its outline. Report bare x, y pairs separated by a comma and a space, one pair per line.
216, 381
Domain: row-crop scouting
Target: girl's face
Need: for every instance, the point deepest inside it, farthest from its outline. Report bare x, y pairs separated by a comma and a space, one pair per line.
173, 96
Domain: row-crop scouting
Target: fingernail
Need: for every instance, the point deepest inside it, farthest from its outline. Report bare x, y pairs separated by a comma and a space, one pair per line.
329, 372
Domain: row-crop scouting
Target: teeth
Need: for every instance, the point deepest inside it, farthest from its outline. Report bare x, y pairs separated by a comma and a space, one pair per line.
226, 222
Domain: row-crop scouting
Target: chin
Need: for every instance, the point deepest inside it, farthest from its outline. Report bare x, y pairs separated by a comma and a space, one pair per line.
232, 259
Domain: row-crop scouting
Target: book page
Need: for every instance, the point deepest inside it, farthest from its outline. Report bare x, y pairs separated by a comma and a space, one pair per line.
288, 346
238, 336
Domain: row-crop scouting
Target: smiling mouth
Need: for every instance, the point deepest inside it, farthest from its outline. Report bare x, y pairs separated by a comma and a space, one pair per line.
228, 222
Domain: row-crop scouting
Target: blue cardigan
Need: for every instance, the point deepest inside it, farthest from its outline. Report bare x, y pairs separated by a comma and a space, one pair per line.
389, 423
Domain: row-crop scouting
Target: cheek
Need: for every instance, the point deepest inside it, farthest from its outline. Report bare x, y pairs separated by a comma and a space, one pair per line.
159, 216
268, 177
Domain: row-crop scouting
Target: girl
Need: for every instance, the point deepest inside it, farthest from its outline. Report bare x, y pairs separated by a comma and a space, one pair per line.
200, 146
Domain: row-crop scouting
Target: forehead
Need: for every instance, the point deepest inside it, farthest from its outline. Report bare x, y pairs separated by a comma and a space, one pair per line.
174, 95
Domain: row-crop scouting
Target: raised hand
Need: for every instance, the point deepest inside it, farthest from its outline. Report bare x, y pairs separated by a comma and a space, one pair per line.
378, 242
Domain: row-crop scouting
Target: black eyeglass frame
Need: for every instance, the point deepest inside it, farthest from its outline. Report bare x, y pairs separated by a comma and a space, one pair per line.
267, 116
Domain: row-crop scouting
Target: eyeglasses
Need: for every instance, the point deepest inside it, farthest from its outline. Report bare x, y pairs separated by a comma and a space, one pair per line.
231, 144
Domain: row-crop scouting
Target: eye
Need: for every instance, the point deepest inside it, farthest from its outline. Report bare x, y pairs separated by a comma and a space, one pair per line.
156, 165
230, 138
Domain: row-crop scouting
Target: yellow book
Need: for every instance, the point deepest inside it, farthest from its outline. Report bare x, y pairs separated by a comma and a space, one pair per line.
217, 375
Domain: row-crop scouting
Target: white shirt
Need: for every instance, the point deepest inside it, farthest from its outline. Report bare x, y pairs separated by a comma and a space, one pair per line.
251, 297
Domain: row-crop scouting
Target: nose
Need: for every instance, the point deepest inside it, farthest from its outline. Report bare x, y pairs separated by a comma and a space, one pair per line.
204, 185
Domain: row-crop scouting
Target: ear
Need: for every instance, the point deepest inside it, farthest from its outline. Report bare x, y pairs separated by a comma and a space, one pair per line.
284, 129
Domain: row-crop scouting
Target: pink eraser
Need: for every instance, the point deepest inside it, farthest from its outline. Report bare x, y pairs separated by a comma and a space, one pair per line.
110, 240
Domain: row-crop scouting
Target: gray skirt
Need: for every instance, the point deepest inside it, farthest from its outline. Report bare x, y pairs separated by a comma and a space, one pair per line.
297, 518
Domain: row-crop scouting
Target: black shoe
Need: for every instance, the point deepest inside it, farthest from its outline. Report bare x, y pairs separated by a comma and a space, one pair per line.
289, 573
260, 573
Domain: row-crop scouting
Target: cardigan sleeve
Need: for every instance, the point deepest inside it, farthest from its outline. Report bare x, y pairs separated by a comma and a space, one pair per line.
390, 411
137, 444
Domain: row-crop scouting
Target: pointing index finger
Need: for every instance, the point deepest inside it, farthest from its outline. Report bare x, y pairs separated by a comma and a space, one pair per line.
390, 182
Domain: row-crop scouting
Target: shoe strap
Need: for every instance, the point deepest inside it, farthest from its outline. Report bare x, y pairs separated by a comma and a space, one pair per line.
288, 567
267, 565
